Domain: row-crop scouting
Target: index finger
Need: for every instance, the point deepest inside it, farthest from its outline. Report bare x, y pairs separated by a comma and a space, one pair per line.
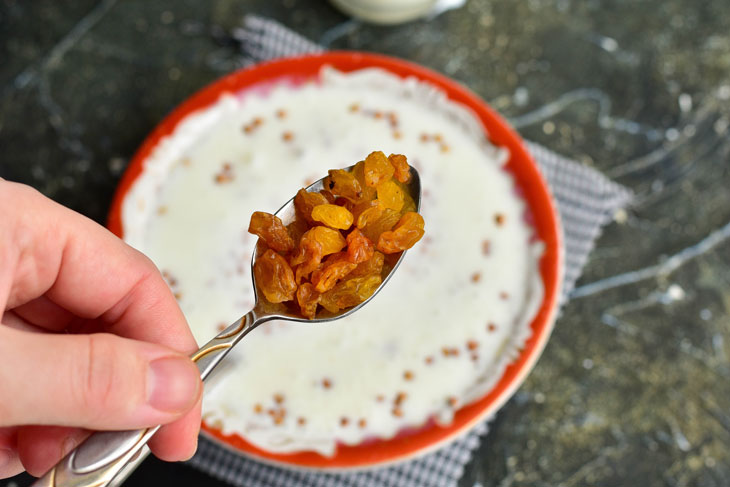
47, 249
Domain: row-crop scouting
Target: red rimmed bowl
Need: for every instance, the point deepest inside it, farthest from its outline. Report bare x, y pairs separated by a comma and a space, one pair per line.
533, 190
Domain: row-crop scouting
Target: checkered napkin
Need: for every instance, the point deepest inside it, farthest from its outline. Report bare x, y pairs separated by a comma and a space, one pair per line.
586, 201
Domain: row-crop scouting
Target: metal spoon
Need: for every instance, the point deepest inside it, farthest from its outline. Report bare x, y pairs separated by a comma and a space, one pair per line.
107, 458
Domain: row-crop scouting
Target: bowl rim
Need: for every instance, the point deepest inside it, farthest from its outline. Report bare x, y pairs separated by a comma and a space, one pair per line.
527, 177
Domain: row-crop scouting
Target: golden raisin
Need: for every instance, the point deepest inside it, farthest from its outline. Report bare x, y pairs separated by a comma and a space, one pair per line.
345, 203
307, 257
408, 203
350, 292
391, 195
371, 267
270, 228
359, 248
274, 277
328, 195
304, 203
333, 216
297, 228
368, 193
335, 268
343, 183
366, 212
406, 233
400, 165
313, 246
307, 298
387, 220
331, 240
377, 169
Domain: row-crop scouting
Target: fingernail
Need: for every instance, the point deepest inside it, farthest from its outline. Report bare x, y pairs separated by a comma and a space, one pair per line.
173, 385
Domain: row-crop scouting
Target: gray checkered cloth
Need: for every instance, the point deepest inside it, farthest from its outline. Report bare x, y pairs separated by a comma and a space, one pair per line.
586, 201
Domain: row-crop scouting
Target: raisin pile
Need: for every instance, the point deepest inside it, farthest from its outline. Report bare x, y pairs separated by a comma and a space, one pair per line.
343, 240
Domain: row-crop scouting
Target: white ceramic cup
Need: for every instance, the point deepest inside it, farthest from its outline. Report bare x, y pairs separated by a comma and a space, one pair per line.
385, 11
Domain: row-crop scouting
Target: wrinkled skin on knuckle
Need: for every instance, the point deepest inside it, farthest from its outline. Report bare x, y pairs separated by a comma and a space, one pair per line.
103, 391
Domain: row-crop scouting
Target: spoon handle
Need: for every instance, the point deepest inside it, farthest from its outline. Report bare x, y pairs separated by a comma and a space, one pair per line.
210, 354
105, 454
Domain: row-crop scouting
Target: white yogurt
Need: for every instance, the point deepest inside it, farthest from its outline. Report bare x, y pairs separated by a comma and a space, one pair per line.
444, 328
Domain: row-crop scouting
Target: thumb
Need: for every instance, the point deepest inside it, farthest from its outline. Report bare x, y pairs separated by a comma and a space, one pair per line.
98, 381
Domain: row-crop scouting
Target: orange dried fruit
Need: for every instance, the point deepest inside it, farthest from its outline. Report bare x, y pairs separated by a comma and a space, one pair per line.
387, 220
328, 195
400, 165
359, 248
391, 195
313, 246
335, 268
297, 228
366, 212
270, 228
308, 299
274, 277
408, 203
309, 249
350, 292
406, 233
333, 216
342, 183
368, 192
331, 240
377, 169
306, 259
371, 267
304, 203
306, 268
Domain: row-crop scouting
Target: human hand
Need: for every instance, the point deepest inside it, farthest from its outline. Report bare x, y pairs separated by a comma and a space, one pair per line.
90, 338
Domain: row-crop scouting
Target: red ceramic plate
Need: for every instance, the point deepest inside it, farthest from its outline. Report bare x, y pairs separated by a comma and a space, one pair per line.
528, 179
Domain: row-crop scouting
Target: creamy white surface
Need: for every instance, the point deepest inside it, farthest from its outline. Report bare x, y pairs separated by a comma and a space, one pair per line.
430, 303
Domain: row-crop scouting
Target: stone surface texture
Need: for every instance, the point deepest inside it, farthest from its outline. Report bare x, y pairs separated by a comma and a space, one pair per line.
633, 388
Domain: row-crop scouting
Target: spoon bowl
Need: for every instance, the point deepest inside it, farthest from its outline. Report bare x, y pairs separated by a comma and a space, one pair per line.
266, 311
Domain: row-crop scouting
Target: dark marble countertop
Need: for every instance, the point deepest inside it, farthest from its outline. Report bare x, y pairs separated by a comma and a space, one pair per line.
634, 385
